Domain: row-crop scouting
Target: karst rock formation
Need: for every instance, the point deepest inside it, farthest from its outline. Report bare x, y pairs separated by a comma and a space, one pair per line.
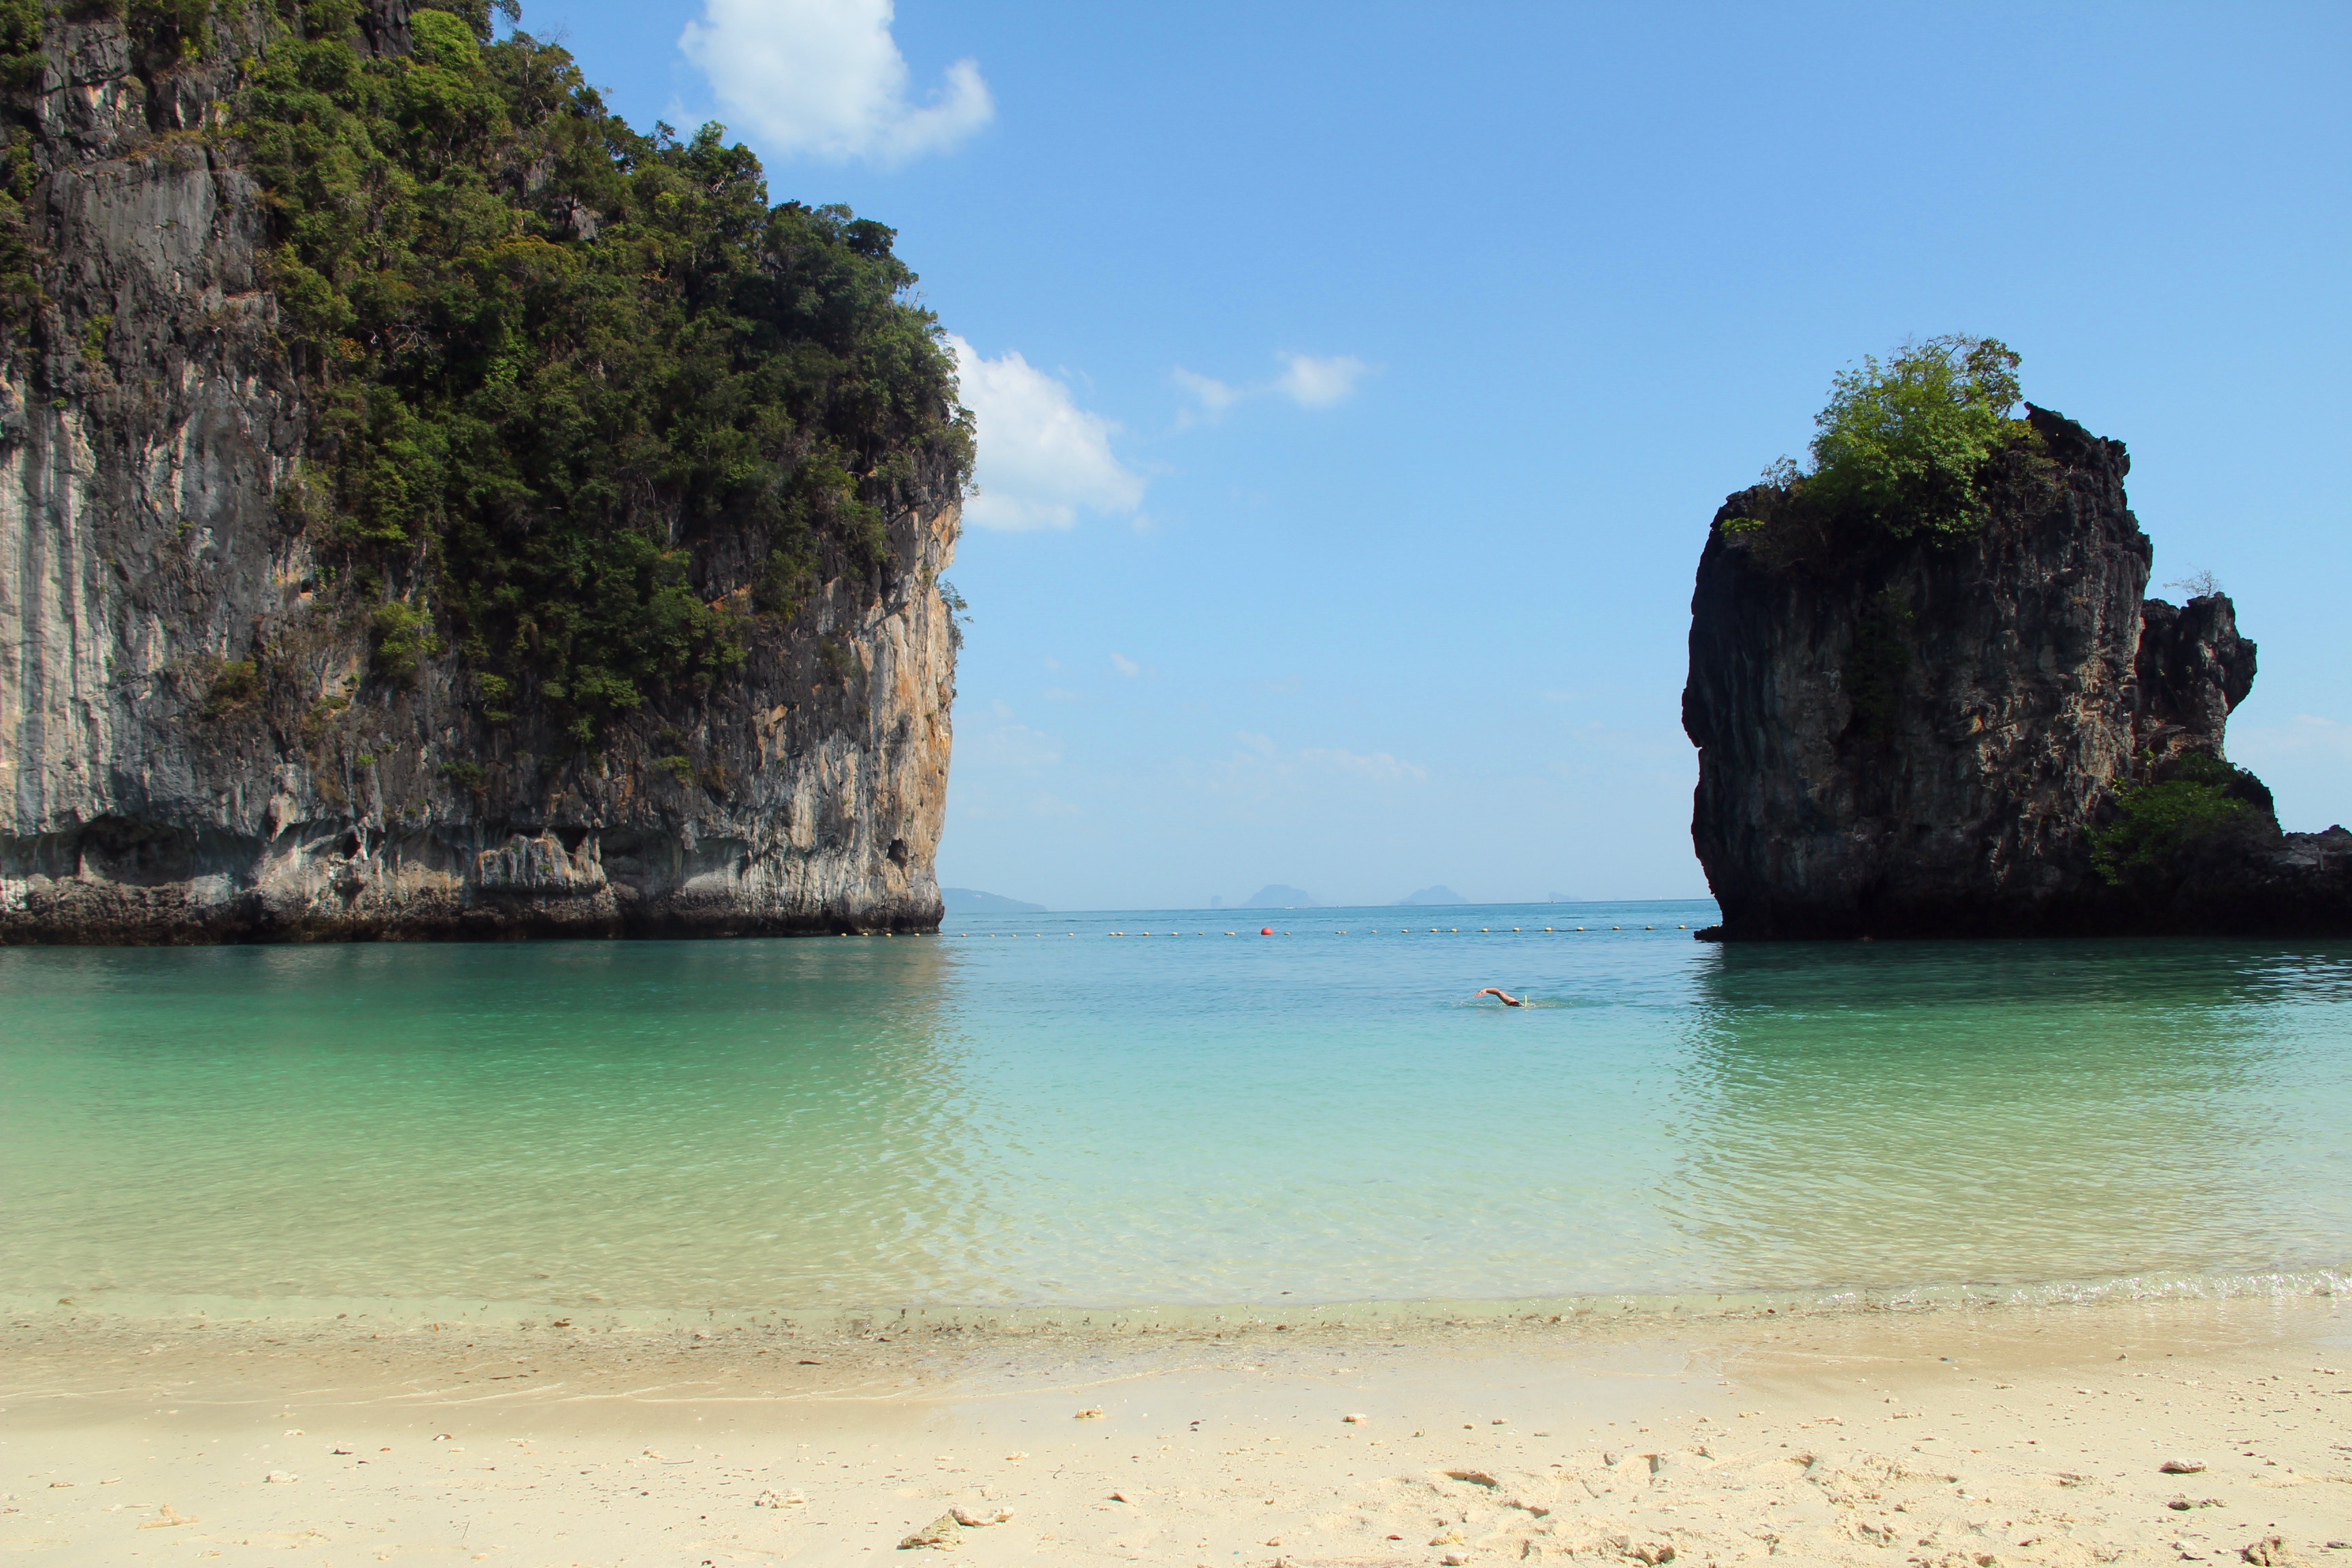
150, 424
1922, 739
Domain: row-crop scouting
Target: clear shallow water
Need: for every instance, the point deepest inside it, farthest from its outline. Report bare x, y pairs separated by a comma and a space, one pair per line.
987, 1119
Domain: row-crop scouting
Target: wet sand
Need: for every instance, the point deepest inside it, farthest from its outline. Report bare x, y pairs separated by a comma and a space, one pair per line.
1958, 1437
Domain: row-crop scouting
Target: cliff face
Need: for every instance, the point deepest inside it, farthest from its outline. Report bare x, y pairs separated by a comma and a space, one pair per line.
196, 741
1922, 738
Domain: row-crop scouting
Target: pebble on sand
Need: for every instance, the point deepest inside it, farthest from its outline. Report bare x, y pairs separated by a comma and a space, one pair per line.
2181, 1466
940, 1535
1091, 1413
280, 1475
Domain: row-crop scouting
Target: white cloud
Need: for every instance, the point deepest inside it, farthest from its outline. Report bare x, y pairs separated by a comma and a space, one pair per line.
1311, 381
1125, 665
1213, 396
825, 78
1043, 460
1318, 383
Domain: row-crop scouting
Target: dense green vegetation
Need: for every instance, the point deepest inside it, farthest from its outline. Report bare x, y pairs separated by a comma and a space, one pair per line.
584, 403
2161, 827
21, 63
553, 356
1904, 445
1914, 445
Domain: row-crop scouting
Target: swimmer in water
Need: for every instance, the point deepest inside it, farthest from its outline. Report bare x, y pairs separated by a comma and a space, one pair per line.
1504, 997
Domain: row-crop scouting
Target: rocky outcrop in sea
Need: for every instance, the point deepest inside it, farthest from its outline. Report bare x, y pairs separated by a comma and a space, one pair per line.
1924, 737
194, 744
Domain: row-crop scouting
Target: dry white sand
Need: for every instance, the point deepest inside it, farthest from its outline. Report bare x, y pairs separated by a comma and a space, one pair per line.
1955, 1436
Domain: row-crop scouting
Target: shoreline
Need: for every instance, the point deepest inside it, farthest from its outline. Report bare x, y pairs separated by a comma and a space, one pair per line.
42, 1311
1961, 1435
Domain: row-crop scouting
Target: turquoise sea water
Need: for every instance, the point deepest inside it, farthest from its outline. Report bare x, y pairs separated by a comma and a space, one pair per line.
1013, 1114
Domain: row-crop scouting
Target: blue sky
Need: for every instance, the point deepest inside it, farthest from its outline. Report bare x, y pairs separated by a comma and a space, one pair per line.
1363, 377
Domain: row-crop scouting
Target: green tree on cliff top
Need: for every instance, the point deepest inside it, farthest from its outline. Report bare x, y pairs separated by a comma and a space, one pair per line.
1903, 445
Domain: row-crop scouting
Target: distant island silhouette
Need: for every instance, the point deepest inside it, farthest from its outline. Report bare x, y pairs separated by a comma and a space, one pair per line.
973, 901
1439, 893
1275, 896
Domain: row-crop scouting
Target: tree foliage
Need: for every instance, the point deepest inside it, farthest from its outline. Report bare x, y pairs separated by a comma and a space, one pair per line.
1904, 444
2159, 828
557, 364
1911, 446
22, 63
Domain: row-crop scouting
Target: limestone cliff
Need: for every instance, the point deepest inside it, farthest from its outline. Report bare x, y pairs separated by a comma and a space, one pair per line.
1917, 737
198, 739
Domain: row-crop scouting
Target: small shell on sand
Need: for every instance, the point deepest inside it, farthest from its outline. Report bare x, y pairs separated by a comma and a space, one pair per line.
1356, 1419
1091, 1413
2181, 1466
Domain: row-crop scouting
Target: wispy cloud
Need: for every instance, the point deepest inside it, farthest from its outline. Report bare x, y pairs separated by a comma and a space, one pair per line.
1043, 460
1125, 665
824, 78
1377, 765
1213, 396
1002, 740
1311, 381
1318, 382
1261, 767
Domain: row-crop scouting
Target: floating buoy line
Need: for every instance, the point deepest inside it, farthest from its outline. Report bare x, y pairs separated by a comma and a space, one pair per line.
1269, 930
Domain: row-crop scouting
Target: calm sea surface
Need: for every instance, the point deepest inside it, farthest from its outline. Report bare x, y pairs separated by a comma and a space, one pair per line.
1012, 1114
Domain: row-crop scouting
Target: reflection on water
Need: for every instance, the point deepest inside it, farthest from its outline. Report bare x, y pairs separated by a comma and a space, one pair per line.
626, 1121
2015, 1111
992, 1119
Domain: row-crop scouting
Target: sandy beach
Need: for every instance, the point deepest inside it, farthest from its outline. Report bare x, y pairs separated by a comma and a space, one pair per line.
1948, 1437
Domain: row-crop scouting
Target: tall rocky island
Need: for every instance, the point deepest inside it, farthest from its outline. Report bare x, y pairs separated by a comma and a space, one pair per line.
430, 507
1930, 698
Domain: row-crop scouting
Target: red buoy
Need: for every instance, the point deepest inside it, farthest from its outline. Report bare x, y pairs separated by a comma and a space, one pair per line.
1265, 931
